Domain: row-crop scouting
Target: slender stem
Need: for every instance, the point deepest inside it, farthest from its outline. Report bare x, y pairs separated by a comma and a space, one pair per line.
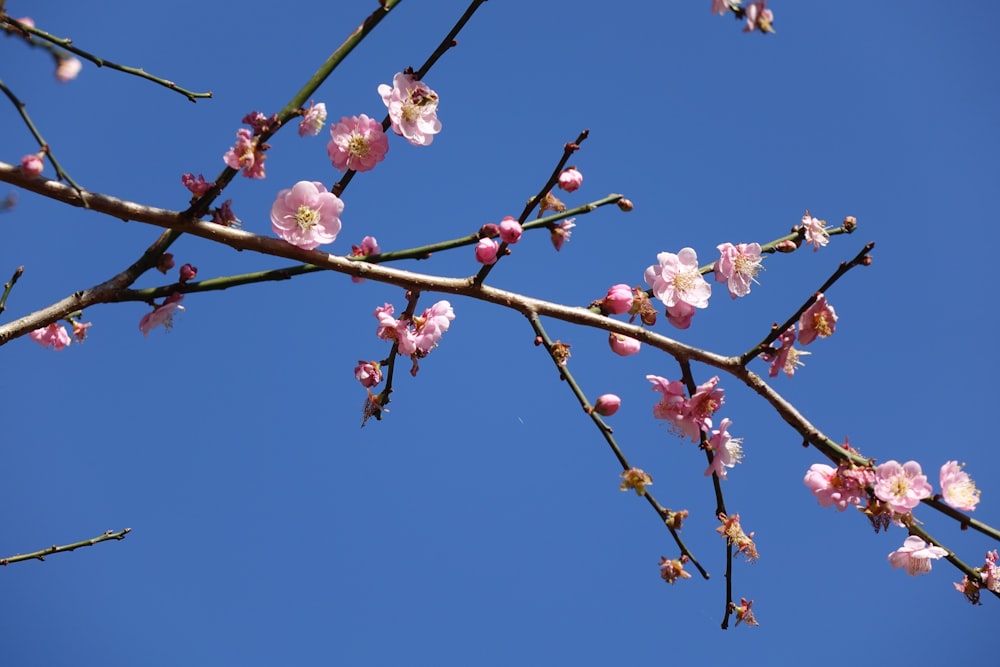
67, 44
40, 555
8, 286
967, 570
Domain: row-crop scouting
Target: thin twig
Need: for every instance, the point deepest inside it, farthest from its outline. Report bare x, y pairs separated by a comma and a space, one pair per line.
8, 286
40, 555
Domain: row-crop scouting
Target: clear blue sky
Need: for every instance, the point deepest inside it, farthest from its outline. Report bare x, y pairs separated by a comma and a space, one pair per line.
480, 522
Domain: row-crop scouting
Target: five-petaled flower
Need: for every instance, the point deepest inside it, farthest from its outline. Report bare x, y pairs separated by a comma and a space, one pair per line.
915, 556
957, 487
815, 231
312, 119
820, 319
412, 109
675, 279
358, 143
307, 215
738, 266
727, 450
163, 314
901, 486
839, 487
246, 155
53, 336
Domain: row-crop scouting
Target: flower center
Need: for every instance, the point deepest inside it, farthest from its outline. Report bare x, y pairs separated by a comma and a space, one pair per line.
822, 324
306, 217
684, 282
900, 486
358, 146
411, 112
747, 266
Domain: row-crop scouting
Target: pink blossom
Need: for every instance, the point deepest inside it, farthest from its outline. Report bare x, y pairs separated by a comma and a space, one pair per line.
368, 373
619, 299
80, 330
32, 165
197, 186
676, 279
785, 358
188, 272
901, 487
53, 336
163, 314
816, 233
570, 179
838, 487
623, 346
720, 6
607, 404
510, 230
223, 215
245, 155
313, 119
358, 143
67, 68
165, 262
758, 17
728, 450
560, 233
990, 572
819, 320
307, 215
957, 487
26, 20
915, 556
369, 246
688, 417
486, 251
673, 404
261, 123
412, 109
707, 399
738, 266
430, 326
680, 315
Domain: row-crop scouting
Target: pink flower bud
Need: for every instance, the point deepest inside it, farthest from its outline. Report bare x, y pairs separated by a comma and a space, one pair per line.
570, 179
32, 165
510, 230
619, 299
67, 69
368, 373
607, 405
623, 345
188, 272
486, 251
165, 263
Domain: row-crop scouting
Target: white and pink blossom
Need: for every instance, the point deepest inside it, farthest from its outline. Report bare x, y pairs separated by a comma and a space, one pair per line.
358, 143
915, 556
54, 336
957, 488
676, 279
412, 109
313, 119
728, 451
901, 486
820, 319
738, 266
570, 179
307, 215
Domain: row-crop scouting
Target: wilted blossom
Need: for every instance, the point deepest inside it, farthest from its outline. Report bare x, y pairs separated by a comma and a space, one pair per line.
313, 119
758, 17
820, 319
901, 487
165, 262
743, 612
619, 299
786, 357
635, 479
32, 165
560, 233
607, 404
734, 534
486, 251
357, 143
915, 556
67, 68
623, 346
957, 487
570, 179
80, 330
727, 450
816, 233
510, 230
261, 123
368, 373
307, 215
245, 155
197, 186
412, 109
53, 336
720, 6
672, 570
676, 279
163, 314
839, 487
738, 266
223, 215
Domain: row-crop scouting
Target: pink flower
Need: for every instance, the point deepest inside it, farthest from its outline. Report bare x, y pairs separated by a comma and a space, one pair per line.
368, 373
32, 165
720, 6
607, 404
412, 109
53, 336
677, 279
188, 272
369, 246
990, 572
838, 487
728, 450
680, 315
429, 327
358, 143
245, 155
673, 403
197, 186
67, 68
560, 233
816, 233
957, 487
80, 330
785, 358
707, 399
758, 17
738, 266
819, 320
260, 123
223, 215
163, 314
510, 230
688, 417
313, 119
915, 556
901, 487
623, 346
307, 215
619, 299
570, 179
486, 251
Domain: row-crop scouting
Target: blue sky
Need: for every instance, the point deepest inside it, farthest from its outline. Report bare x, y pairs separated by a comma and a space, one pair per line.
480, 523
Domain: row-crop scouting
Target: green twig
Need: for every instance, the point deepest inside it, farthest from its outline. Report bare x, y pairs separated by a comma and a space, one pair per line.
8, 286
40, 555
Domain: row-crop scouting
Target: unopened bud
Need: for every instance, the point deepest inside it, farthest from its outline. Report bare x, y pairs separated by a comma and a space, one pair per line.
165, 263
786, 246
625, 204
607, 405
850, 223
188, 272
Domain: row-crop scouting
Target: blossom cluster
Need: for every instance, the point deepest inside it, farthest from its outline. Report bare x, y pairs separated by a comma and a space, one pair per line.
688, 416
415, 335
756, 15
